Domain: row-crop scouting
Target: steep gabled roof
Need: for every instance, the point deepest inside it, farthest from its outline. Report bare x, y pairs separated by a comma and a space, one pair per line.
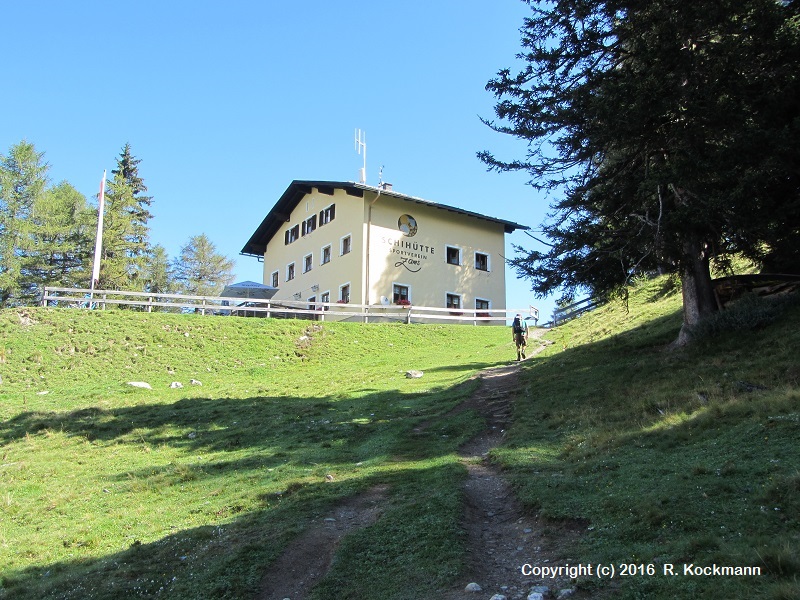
297, 190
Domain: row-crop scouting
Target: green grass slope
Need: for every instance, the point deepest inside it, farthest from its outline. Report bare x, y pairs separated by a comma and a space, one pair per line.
659, 456
669, 457
109, 491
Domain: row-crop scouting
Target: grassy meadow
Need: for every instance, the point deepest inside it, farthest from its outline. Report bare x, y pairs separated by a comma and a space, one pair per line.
109, 490
682, 457
660, 456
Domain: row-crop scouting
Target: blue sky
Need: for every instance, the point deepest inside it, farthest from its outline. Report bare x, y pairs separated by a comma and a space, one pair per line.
226, 103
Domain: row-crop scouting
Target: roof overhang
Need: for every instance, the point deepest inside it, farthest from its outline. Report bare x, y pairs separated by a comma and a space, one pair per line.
249, 289
298, 189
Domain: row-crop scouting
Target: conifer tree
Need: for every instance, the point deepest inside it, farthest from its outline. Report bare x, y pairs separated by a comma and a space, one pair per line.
61, 241
158, 272
126, 245
23, 179
668, 134
200, 270
128, 168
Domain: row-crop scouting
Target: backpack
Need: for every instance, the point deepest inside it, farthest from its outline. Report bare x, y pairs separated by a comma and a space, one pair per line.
516, 326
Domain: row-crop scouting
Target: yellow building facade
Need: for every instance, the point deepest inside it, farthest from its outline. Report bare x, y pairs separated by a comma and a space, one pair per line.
352, 243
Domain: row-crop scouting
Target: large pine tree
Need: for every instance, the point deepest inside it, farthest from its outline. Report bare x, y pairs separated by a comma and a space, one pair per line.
46, 233
23, 179
60, 243
126, 233
668, 133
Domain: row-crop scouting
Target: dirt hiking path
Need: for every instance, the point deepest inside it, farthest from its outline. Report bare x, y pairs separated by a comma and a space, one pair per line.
501, 535
307, 559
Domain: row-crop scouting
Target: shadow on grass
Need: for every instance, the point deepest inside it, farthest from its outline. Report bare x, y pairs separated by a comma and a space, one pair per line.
683, 456
228, 560
363, 441
598, 394
473, 366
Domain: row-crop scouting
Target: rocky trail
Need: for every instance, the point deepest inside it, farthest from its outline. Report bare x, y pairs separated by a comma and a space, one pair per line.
501, 535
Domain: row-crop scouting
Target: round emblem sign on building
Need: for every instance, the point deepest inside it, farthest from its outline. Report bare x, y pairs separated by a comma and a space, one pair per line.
408, 225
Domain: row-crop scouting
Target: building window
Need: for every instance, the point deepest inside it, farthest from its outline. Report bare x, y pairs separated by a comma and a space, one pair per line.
453, 255
400, 294
292, 234
482, 308
326, 215
481, 261
310, 224
307, 263
326, 255
346, 245
344, 293
325, 298
312, 303
453, 301
274, 278
290, 272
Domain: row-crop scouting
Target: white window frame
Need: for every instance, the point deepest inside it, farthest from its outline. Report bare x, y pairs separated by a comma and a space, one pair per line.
323, 300
349, 291
292, 234
405, 285
293, 272
488, 304
349, 237
322, 260
274, 278
447, 249
308, 261
325, 214
460, 301
309, 225
488, 262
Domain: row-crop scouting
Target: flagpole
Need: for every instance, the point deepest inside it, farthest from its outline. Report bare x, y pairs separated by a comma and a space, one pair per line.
98, 244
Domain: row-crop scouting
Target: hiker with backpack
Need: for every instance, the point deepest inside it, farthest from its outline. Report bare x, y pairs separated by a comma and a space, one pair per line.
519, 330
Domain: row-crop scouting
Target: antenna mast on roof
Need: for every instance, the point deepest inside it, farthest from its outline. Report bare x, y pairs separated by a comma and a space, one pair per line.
361, 142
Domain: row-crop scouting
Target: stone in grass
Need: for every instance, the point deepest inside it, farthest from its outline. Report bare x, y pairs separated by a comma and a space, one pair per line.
414, 374
538, 592
195, 382
472, 587
141, 384
176, 385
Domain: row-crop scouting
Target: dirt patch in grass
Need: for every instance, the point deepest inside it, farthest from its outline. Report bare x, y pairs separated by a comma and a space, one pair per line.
307, 558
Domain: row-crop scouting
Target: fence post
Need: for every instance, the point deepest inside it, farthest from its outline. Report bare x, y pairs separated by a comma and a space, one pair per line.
150, 304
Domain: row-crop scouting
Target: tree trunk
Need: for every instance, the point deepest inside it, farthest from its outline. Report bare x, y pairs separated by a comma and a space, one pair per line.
699, 301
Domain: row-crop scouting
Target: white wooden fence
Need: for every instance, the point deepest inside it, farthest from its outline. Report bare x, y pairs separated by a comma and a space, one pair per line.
320, 311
